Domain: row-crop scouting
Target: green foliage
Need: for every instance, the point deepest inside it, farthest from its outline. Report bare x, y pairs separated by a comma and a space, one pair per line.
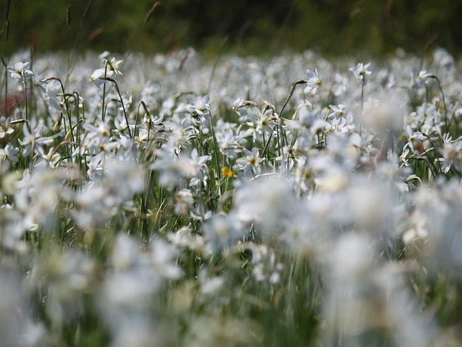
332, 26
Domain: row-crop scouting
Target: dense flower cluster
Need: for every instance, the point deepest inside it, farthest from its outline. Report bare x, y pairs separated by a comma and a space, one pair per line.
157, 201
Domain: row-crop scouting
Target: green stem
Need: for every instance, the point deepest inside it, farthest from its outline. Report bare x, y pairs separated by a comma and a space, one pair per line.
291, 92
444, 102
122, 102
215, 152
363, 82
25, 99
104, 94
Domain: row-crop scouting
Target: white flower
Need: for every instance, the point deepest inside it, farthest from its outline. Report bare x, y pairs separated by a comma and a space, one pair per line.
251, 161
452, 155
174, 169
20, 71
266, 201
360, 71
201, 105
221, 231
313, 82
9, 153
403, 157
184, 200
423, 75
111, 68
338, 111
5, 128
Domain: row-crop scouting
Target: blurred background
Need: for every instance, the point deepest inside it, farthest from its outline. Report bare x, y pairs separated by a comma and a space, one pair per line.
244, 27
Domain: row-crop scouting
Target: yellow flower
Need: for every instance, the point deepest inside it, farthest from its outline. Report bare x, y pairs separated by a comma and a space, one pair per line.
227, 172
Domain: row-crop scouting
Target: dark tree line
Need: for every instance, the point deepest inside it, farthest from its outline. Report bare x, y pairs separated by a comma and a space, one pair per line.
258, 26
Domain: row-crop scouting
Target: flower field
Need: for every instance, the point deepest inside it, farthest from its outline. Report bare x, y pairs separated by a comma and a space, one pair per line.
174, 200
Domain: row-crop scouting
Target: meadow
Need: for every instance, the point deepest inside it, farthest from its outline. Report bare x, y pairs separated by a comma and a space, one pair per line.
177, 200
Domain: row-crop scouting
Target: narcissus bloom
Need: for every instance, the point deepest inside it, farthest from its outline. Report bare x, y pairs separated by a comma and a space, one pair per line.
313, 82
20, 71
360, 71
